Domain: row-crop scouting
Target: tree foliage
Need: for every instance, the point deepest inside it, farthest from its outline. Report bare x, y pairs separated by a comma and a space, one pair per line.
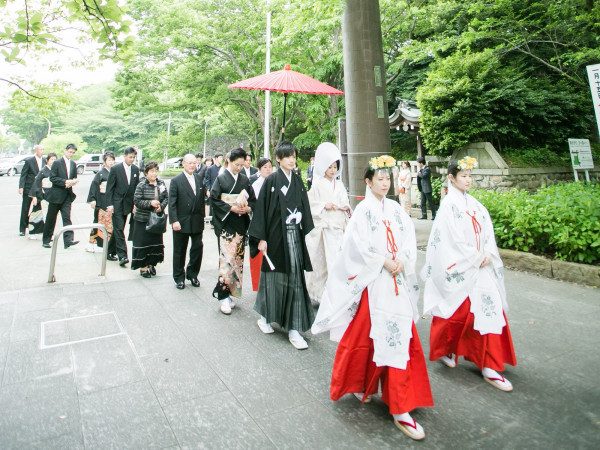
189, 54
30, 28
511, 71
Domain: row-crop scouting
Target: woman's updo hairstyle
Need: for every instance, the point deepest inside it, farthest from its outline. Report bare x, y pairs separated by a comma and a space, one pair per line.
453, 168
261, 162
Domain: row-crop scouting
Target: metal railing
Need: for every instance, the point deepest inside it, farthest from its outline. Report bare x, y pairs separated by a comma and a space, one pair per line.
51, 278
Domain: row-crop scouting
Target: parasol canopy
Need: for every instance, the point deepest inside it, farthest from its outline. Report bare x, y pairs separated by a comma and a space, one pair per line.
286, 81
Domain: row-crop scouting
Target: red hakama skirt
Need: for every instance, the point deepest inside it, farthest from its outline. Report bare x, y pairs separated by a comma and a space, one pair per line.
255, 265
457, 335
355, 371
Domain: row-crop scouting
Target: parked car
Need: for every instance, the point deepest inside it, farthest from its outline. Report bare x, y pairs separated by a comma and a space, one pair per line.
174, 163
12, 166
90, 162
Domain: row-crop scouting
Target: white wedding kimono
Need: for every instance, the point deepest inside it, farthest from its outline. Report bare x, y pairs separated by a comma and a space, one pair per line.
324, 241
461, 236
392, 301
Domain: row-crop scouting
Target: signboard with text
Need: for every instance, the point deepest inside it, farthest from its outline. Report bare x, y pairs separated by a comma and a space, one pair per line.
581, 154
594, 79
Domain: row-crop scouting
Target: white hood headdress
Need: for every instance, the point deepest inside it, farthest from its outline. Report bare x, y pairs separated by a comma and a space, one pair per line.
326, 154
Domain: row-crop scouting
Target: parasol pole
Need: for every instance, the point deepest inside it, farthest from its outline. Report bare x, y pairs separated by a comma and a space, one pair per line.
283, 124
267, 136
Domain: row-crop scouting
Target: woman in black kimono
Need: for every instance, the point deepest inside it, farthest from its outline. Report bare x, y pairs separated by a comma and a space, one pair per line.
41, 185
281, 220
232, 200
97, 200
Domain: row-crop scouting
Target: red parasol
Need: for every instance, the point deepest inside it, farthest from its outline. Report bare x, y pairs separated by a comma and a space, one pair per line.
286, 81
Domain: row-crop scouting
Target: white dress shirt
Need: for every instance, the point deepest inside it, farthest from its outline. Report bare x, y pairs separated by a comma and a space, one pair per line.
191, 180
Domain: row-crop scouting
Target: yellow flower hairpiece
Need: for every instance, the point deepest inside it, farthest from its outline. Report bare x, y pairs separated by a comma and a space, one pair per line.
467, 163
382, 162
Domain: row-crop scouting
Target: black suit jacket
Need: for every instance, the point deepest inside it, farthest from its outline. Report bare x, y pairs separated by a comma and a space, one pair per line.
424, 180
211, 175
185, 207
30, 170
58, 176
119, 193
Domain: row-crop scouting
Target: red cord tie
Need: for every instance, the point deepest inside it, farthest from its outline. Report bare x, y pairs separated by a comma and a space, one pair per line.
391, 246
476, 229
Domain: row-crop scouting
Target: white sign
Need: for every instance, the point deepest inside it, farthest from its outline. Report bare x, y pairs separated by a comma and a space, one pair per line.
594, 79
581, 154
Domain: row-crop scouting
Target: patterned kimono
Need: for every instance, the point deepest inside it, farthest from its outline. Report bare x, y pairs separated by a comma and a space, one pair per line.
97, 193
231, 228
373, 314
468, 302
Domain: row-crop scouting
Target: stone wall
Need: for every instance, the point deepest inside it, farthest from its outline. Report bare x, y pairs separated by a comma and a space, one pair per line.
529, 179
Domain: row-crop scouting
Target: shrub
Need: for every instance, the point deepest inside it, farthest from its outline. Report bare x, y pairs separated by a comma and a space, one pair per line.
562, 220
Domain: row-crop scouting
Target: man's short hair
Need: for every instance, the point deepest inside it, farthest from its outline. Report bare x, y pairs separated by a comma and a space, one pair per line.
198, 155
421, 160
71, 147
130, 150
218, 154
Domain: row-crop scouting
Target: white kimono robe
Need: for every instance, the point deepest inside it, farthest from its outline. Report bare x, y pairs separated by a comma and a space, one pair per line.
325, 240
461, 236
392, 305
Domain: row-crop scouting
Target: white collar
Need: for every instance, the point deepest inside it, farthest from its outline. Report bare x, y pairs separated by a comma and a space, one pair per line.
188, 176
289, 177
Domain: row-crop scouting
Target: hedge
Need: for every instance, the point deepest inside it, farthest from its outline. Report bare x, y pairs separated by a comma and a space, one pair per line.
561, 221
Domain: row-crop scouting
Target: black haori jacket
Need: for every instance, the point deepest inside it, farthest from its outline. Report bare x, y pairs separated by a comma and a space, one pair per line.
270, 214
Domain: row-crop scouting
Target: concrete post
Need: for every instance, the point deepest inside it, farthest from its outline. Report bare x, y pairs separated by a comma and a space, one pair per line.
367, 123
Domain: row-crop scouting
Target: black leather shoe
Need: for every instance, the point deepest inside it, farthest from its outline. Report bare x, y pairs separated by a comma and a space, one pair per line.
123, 261
422, 218
71, 244
145, 273
22, 233
111, 257
180, 285
46, 246
195, 282
152, 270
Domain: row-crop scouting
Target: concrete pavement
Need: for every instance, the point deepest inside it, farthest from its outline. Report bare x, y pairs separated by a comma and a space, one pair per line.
126, 362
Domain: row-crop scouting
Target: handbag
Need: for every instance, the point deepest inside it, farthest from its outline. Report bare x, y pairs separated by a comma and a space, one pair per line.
157, 222
221, 290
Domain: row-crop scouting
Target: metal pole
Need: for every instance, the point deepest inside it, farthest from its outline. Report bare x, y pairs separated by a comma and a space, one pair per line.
204, 149
57, 236
166, 155
267, 137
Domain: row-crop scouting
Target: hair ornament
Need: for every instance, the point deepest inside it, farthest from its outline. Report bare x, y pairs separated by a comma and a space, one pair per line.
467, 163
382, 162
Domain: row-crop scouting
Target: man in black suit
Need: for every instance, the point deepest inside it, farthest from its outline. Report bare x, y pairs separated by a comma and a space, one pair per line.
120, 187
63, 176
309, 172
199, 164
186, 215
249, 169
30, 169
213, 172
424, 185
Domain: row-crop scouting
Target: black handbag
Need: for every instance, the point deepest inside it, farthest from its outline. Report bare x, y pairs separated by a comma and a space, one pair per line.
157, 222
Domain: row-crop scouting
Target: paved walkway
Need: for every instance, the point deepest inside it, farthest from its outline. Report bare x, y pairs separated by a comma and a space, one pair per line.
126, 362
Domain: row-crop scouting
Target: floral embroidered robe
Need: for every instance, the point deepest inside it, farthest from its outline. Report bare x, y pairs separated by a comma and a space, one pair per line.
461, 236
392, 301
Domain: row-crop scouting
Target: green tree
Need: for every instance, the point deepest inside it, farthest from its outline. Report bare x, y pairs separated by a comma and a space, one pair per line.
188, 56
511, 72
58, 142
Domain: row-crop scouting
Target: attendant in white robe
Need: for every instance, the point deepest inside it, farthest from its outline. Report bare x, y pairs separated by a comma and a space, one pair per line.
464, 283
330, 211
370, 306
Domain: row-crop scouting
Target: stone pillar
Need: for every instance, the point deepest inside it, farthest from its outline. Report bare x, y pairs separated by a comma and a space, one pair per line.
367, 123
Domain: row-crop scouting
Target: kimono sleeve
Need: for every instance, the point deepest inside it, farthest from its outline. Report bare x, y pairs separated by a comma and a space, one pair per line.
94, 188
258, 226
220, 208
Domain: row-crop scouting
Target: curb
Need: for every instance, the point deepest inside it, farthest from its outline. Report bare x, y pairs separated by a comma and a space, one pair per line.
559, 270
